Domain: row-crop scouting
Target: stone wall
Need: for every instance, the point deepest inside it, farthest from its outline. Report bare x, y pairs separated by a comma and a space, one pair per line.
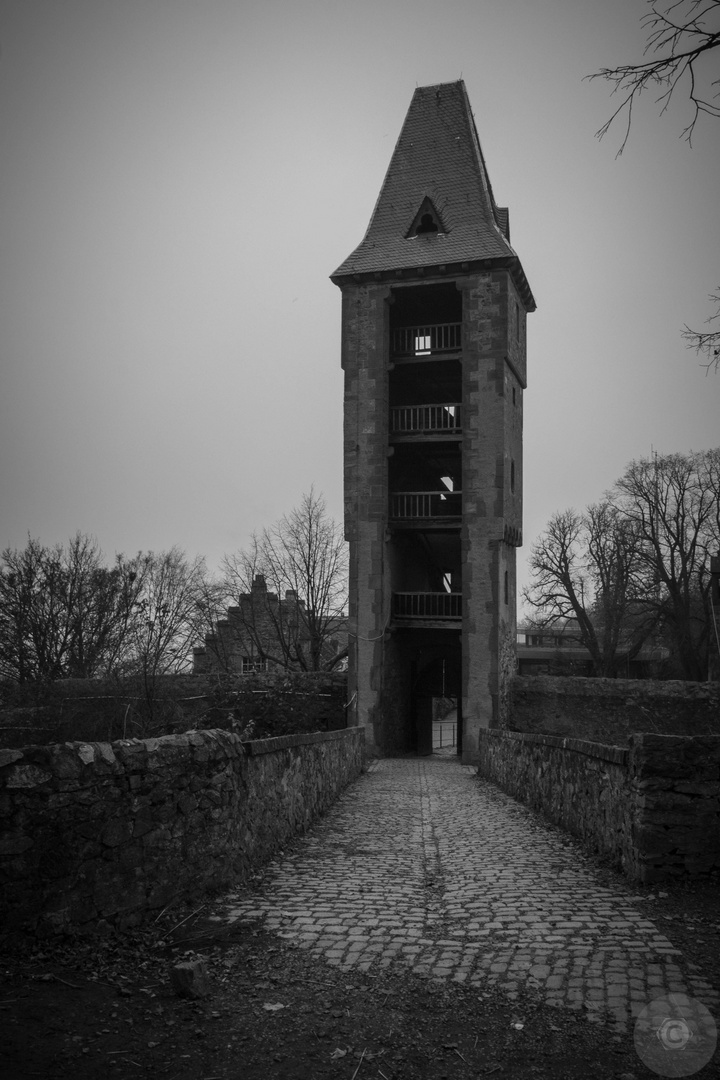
609, 710
653, 809
94, 833
578, 785
675, 797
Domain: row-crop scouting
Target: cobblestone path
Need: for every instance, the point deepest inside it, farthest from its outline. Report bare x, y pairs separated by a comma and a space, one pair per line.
422, 864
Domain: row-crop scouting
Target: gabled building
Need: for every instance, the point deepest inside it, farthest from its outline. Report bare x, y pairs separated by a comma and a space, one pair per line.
265, 632
434, 302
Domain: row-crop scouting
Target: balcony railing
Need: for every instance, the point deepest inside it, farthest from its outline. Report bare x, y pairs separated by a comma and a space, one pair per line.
405, 419
425, 505
413, 605
426, 340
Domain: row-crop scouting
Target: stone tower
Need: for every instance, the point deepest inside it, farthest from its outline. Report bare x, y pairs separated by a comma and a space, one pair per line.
434, 302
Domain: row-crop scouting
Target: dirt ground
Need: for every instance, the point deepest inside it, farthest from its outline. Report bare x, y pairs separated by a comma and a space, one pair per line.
104, 1007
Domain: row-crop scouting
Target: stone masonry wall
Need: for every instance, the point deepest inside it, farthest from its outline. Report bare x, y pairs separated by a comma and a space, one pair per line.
578, 785
609, 710
365, 347
94, 833
675, 798
653, 809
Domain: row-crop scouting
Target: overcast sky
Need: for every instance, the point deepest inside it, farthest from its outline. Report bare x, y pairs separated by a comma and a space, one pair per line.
178, 178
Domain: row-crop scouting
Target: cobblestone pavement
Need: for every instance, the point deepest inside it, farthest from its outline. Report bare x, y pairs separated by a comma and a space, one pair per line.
422, 864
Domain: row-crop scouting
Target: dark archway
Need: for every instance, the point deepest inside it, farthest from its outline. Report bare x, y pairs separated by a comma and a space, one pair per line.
437, 679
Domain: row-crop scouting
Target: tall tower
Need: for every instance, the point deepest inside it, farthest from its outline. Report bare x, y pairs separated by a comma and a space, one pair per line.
434, 301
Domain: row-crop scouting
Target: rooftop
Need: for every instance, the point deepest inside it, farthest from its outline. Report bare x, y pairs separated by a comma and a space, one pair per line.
436, 205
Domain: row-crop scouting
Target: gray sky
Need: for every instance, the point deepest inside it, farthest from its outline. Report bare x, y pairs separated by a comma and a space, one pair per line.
178, 178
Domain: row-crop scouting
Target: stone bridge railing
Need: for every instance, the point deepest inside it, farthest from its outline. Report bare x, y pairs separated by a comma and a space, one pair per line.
653, 808
109, 832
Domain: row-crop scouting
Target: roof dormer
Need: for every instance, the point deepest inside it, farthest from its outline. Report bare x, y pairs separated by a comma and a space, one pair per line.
427, 221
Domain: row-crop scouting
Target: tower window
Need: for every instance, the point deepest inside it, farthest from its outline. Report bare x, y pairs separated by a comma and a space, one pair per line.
512, 476
427, 221
427, 225
507, 589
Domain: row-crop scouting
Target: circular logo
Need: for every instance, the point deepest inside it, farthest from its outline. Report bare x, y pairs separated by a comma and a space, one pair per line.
675, 1035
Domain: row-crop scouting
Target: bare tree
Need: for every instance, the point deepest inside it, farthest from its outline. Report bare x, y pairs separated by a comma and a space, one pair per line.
673, 502
32, 642
62, 612
165, 623
212, 626
586, 567
680, 34
102, 604
290, 588
164, 626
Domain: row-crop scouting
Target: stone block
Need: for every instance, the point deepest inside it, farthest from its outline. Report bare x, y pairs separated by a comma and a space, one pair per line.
143, 822
116, 832
190, 979
706, 788
56, 862
27, 776
164, 813
15, 843
158, 839
7, 757
131, 856
65, 763
89, 830
187, 804
655, 841
81, 909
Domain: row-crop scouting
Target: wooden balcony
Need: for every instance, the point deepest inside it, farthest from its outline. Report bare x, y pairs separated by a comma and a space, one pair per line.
425, 506
426, 419
424, 341
431, 607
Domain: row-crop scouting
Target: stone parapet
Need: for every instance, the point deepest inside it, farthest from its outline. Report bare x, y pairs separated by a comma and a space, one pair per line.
109, 832
652, 808
674, 788
578, 785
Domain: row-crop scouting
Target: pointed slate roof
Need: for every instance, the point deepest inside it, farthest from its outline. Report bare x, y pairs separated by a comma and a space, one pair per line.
437, 158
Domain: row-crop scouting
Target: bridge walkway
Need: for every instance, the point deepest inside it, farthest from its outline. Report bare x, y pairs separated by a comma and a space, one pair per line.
424, 865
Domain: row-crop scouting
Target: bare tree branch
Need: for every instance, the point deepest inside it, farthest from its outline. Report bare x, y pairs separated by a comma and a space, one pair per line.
585, 567
706, 342
680, 35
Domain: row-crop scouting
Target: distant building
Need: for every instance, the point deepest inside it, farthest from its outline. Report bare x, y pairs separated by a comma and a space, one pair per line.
557, 650
552, 650
264, 633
